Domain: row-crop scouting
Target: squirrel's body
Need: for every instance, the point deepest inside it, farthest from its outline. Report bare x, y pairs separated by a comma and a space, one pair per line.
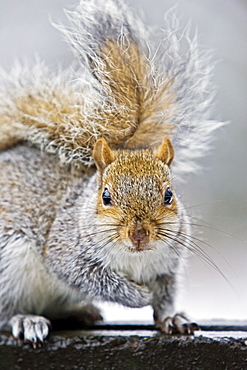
69, 234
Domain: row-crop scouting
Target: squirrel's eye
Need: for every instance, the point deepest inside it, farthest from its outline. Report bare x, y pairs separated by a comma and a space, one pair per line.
106, 196
168, 196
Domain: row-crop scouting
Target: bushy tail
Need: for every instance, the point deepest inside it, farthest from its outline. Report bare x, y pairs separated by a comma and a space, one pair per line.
128, 89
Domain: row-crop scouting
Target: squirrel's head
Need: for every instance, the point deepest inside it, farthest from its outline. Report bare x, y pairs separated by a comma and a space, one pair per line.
136, 201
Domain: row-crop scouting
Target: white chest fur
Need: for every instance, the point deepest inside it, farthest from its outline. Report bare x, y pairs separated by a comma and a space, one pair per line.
142, 267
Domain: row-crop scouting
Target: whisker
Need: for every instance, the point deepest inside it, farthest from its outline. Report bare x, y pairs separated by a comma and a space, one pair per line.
203, 204
186, 241
99, 232
108, 240
194, 238
182, 240
170, 245
185, 238
206, 226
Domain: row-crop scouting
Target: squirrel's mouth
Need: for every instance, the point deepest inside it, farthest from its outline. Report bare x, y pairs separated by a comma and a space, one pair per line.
140, 247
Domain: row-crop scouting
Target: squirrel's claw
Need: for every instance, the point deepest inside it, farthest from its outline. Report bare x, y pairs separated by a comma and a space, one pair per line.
30, 328
178, 324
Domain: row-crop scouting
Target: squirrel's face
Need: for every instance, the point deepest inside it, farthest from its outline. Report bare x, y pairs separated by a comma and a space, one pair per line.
136, 202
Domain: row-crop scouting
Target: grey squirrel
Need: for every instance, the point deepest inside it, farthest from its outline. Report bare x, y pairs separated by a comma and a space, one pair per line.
88, 209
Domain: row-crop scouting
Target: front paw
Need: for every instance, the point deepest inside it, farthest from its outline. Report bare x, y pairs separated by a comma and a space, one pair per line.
178, 324
30, 328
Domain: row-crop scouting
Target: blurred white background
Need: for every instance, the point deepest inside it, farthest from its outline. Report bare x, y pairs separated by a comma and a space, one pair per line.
218, 195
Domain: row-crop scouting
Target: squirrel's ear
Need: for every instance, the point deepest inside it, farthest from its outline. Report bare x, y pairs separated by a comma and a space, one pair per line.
166, 152
102, 154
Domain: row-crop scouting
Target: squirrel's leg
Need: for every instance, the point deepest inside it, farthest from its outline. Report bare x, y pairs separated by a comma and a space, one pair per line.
117, 288
164, 288
104, 284
16, 279
21, 280
28, 290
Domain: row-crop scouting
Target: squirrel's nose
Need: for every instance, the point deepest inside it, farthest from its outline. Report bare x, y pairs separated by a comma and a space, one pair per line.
139, 237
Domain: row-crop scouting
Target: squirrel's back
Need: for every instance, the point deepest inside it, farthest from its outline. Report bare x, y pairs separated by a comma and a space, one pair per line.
132, 86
